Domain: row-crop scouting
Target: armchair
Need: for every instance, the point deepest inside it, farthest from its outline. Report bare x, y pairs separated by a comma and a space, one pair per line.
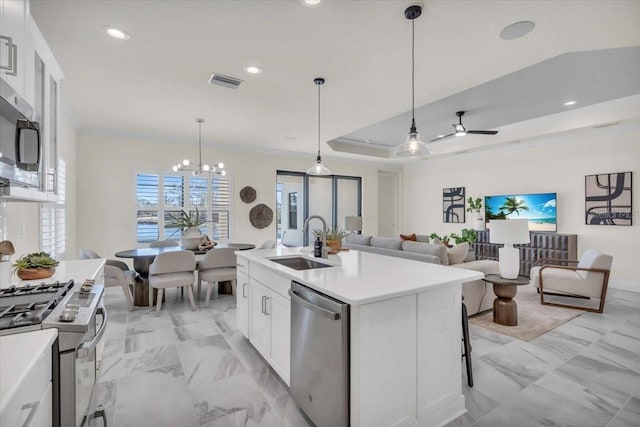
588, 279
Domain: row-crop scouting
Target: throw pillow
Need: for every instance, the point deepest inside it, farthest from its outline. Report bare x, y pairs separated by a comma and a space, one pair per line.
458, 253
411, 237
436, 241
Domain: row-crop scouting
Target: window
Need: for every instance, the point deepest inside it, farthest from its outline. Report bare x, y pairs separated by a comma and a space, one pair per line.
159, 196
53, 233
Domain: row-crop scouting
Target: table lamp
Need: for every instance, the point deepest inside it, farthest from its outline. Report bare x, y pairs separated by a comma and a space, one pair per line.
509, 232
353, 223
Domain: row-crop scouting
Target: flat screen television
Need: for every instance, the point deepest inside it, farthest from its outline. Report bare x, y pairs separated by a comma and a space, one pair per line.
539, 209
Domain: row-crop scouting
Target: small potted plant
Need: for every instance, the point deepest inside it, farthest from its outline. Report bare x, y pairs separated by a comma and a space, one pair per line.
333, 238
467, 235
444, 239
191, 235
36, 265
476, 206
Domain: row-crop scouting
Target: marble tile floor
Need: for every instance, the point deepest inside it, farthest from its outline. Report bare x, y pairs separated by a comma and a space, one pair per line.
193, 368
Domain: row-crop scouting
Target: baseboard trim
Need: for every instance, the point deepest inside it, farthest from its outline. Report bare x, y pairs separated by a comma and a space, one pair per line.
624, 285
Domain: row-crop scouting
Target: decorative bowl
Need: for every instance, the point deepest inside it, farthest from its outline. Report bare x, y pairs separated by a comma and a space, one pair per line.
35, 273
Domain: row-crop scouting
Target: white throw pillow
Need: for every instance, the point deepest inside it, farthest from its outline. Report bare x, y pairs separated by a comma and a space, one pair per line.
458, 253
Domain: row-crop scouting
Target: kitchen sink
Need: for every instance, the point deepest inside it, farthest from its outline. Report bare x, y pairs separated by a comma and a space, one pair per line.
299, 263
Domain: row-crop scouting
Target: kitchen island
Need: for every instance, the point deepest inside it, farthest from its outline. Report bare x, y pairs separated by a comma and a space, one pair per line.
404, 331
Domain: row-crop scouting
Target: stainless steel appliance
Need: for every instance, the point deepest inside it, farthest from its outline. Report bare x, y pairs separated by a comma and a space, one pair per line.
320, 356
19, 140
73, 309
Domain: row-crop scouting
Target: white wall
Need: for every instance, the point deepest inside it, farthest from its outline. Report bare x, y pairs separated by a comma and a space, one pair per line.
107, 165
555, 164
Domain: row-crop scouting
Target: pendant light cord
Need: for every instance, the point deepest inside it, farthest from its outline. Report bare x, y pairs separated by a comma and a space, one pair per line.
318, 121
199, 144
413, 72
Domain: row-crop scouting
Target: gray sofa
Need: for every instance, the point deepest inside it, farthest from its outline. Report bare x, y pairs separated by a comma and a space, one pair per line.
478, 295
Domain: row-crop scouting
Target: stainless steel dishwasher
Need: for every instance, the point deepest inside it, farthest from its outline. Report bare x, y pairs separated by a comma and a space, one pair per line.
320, 356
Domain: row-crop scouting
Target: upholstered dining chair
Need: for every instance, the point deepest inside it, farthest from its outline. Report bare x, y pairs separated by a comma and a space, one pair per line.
163, 243
218, 265
170, 270
586, 278
88, 254
115, 275
268, 244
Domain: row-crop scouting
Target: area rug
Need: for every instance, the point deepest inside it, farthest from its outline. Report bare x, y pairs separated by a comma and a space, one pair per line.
534, 319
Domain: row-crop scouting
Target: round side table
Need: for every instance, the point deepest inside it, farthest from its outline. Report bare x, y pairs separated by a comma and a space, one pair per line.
505, 309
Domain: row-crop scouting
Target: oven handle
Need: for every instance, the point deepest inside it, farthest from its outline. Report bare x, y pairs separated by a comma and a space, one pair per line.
86, 347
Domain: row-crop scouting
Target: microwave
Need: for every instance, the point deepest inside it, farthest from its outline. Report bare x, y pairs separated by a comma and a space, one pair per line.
20, 147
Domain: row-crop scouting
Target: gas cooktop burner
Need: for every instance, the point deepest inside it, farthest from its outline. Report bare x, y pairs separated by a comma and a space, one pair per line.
30, 304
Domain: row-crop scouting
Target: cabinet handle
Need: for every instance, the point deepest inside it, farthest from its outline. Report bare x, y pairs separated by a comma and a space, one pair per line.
263, 304
266, 300
32, 407
239, 265
244, 290
10, 51
14, 58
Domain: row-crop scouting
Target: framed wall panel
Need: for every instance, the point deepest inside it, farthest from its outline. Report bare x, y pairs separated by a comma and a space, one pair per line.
453, 205
608, 199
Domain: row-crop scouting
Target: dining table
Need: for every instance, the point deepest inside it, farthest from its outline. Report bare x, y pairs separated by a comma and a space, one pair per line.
143, 257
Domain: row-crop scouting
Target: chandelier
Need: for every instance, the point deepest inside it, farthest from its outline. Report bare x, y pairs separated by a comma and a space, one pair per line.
199, 168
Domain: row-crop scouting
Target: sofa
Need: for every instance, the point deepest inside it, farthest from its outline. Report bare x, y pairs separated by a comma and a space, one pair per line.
478, 295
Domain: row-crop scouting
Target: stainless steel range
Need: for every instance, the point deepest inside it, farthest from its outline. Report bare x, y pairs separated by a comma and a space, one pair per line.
72, 309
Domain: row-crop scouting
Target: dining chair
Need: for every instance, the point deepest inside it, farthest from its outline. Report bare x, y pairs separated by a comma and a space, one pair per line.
218, 265
170, 270
163, 243
115, 276
88, 254
268, 244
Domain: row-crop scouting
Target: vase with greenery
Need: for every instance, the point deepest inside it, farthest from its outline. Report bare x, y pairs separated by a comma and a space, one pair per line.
189, 224
334, 239
475, 205
36, 265
466, 235
443, 239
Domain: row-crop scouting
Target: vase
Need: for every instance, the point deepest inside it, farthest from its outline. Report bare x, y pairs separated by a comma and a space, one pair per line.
191, 238
478, 222
35, 273
334, 246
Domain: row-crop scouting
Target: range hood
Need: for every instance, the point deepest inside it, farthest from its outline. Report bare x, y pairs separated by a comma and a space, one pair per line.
15, 193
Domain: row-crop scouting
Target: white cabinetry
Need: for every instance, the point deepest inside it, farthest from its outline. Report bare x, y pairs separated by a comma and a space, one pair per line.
13, 19
270, 314
26, 397
242, 302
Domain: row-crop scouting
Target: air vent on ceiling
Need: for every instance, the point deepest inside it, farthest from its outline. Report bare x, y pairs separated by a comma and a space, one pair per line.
226, 81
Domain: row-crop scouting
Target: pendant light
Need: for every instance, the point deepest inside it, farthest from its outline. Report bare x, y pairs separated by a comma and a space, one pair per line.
413, 146
318, 168
199, 168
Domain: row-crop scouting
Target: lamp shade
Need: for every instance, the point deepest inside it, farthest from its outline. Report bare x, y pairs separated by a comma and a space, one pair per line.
353, 223
509, 231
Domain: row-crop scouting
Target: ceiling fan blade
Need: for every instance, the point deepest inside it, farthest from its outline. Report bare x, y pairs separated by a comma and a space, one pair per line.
442, 137
483, 132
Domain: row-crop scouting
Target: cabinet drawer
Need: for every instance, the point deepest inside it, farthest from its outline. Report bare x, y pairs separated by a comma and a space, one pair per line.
27, 398
271, 280
242, 265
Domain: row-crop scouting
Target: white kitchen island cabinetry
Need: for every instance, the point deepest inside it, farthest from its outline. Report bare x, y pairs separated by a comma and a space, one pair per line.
405, 333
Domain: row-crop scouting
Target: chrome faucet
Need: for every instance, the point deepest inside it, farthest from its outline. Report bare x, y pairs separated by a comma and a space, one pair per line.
325, 250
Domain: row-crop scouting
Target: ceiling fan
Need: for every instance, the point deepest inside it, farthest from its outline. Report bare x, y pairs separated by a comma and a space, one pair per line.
460, 130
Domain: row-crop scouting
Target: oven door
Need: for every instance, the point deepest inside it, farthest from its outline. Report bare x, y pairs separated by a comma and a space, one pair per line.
86, 367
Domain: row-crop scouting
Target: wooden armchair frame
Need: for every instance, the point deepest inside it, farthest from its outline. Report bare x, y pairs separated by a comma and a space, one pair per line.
603, 294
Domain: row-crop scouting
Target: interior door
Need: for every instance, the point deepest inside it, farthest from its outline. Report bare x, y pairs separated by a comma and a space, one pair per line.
388, 204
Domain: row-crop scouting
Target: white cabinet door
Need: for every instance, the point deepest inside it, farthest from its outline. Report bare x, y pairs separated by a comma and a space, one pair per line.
260, 331
13, 26
280, 312
242, 303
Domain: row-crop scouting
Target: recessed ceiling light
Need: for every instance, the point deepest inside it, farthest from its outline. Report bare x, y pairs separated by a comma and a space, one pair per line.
517, 30
568, 103
252, 69
440, 136
311, 3
116, 33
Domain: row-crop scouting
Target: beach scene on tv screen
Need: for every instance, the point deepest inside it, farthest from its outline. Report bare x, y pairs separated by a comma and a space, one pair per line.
539, 209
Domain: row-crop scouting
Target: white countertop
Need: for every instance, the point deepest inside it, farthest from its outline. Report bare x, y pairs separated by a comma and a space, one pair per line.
363, 277
78, 270
19, 353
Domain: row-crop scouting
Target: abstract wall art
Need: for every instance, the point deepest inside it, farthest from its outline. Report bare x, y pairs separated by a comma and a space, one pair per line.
453, 205
608, 199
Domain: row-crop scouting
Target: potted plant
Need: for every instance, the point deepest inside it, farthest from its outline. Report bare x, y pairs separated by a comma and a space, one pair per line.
467, 235
476, 206
444, 239
191, 235
36, 265
333, 238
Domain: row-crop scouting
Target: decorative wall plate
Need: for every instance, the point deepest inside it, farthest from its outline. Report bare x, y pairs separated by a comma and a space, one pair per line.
248, 194
261, 216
